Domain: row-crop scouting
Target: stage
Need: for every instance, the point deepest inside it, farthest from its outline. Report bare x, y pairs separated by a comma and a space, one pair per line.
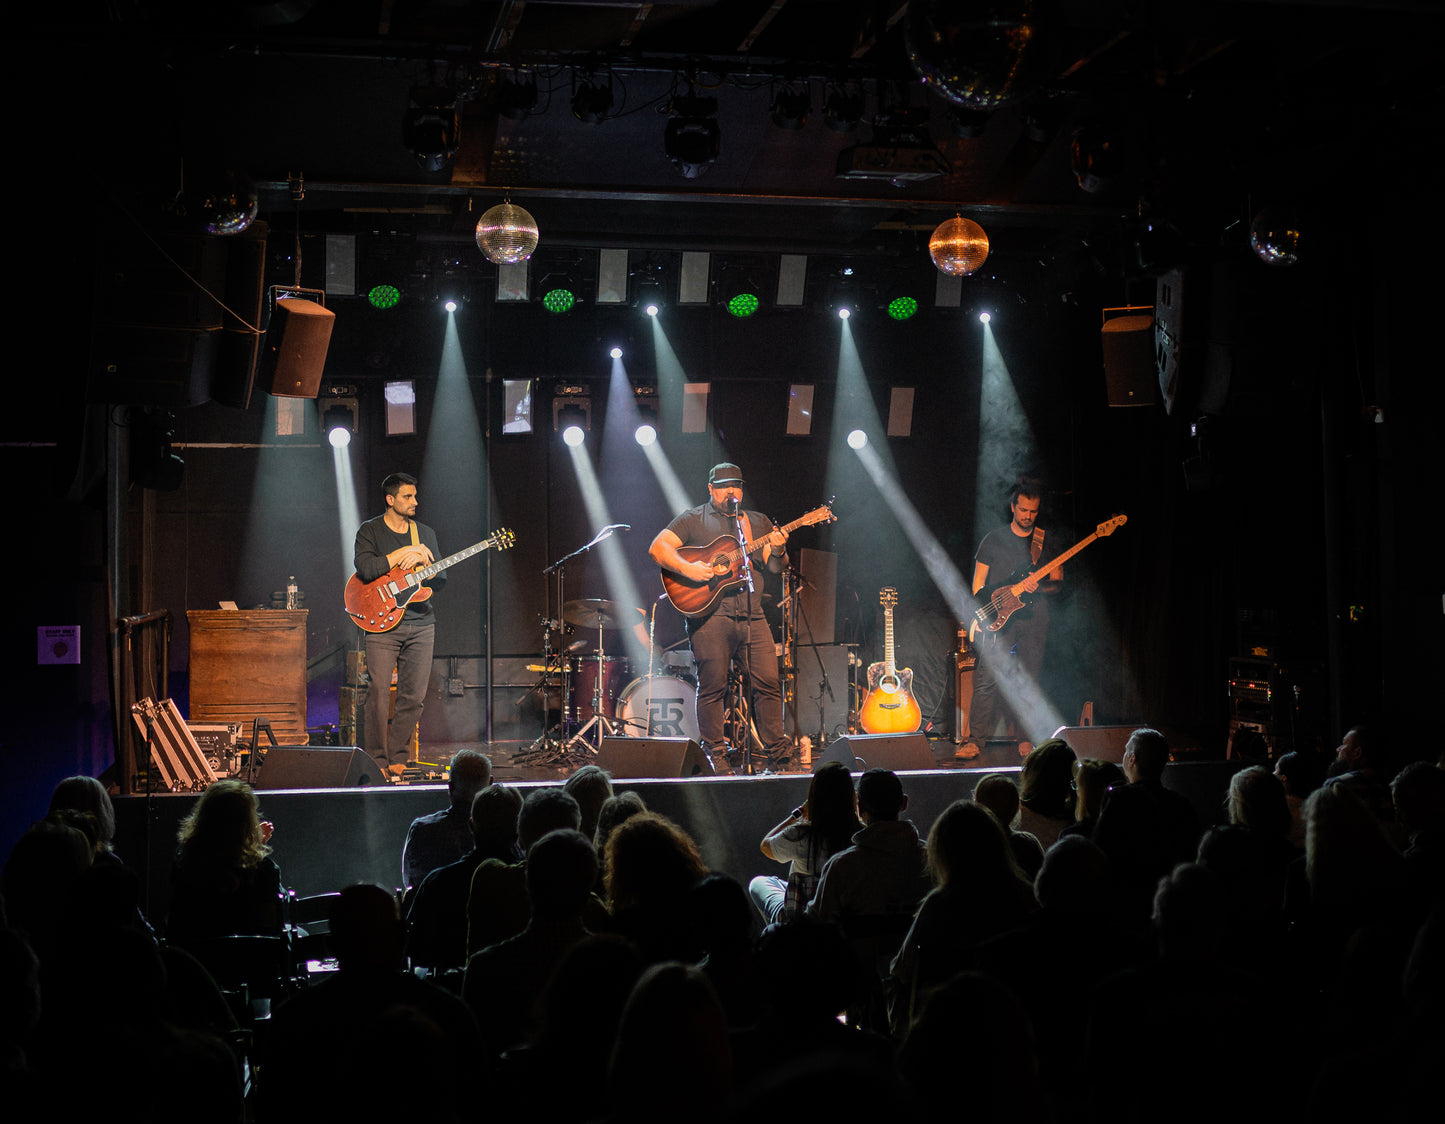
329, 838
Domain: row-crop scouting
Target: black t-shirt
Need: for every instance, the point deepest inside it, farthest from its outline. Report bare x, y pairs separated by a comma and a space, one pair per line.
1006, 554
375, 540
700, 526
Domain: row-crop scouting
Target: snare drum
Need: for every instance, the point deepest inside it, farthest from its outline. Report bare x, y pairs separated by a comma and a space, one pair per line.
680, 665
582, 679
659, 706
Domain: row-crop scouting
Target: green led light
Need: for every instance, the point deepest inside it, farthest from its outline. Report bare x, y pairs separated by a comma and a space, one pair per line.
902, 308
384, 296
558, 300
744, 304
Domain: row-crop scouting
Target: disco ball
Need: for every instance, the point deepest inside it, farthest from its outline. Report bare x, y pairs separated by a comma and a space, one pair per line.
959, 246
507, 234
1274, 236
224, 202
977, 54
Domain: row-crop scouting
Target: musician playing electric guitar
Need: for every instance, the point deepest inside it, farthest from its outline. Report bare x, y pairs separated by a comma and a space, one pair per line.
393, 539
735, 628
1010, 660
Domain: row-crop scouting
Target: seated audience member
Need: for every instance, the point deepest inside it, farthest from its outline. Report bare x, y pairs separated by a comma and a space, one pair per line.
1144, 828
439, 838
974, 1016
224, 882
672, 1060
1092, 780
723, 925
824, 824
1182, 1005
884, 872
1301, 774
1358, 766
1000, 795
504, 980
40, 875
591, 787
652, 868
1419, 795
497, 906
315, 1060
437, 918
1046, 791
978, 892
86, 794
615, 810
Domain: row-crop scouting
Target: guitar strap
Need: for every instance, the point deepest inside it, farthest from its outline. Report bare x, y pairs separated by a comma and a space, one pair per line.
1036, 548
416, 539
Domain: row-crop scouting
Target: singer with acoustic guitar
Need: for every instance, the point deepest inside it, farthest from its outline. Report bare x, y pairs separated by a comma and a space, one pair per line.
391, 540
731, 626
1011, 659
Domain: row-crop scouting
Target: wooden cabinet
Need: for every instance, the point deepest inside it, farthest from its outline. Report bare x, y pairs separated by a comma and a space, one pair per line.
250, 663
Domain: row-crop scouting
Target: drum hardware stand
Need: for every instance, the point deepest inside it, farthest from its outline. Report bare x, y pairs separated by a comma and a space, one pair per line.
606, 727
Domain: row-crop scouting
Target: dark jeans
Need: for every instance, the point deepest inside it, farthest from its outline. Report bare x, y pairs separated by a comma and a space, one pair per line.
1006, 680
406, 649
716, 642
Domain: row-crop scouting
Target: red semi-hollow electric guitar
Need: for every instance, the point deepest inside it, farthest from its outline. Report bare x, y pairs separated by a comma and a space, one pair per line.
377, 606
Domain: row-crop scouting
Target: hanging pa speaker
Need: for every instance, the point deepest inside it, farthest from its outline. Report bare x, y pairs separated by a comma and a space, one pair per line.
296, 343
1129, 370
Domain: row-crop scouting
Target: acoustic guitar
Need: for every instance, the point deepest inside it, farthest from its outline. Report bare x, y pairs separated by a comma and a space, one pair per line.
725, 556
378, 606
1009, 598
890, 707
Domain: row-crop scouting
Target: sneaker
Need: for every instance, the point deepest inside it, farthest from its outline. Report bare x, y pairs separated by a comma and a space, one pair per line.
396, 768
967, 751
720, 766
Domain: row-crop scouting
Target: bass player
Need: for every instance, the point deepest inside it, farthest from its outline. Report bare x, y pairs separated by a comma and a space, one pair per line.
1009, 661
734, 628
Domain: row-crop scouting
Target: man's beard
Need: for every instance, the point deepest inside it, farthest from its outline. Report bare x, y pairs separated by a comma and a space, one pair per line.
1339, 767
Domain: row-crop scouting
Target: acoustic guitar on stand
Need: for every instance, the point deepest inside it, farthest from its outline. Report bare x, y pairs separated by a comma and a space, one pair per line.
1009, 598
725, 556
889, 707
378, 606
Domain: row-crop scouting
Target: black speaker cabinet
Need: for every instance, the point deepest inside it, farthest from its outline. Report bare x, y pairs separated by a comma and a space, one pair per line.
310, 766
653, 757
295, 352
1106, 743
860, 752
1129, 369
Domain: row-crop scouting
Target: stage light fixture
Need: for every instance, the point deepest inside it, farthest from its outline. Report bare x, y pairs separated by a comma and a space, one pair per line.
738, 294
337, 407
559, 294
616, 353
903, 308
450, 306
843, 108
591, 98
646, 401
383, 296
692, 139
516, 95
984, 317
857, 439
572, 413
844, 313
790, 107
648, 297
431, 128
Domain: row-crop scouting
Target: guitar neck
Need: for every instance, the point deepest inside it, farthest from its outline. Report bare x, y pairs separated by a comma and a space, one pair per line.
755, 544
888, 638
451, 560
1057, 562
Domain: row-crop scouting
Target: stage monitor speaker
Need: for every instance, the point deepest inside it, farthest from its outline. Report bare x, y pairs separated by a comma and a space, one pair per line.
1129, 370
860, 752
653, 757
310, 766
1106, 743
296, 343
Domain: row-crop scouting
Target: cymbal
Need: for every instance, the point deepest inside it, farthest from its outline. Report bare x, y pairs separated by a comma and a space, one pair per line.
593, 612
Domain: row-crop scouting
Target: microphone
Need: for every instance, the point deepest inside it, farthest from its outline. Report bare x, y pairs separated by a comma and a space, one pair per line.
618, 527
732, 505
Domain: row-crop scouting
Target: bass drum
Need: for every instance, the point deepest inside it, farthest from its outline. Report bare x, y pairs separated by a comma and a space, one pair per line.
659, 706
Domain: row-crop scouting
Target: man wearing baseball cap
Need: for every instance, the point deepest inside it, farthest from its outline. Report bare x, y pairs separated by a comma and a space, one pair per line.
730, 625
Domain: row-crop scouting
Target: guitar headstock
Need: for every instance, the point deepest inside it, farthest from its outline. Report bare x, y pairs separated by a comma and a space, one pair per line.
823, 514
501, 539
888, 597
1108, 527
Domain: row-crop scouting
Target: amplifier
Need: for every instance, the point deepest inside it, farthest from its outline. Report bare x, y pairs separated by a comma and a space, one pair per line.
221, 743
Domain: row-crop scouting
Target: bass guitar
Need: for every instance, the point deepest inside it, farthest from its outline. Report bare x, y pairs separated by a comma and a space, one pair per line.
377, 606
725, 556
890, 707
1009, 598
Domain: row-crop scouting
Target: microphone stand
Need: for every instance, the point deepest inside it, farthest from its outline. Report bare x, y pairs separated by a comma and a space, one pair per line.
735, 514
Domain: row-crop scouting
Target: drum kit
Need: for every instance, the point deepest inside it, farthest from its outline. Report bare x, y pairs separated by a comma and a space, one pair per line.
600, 698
